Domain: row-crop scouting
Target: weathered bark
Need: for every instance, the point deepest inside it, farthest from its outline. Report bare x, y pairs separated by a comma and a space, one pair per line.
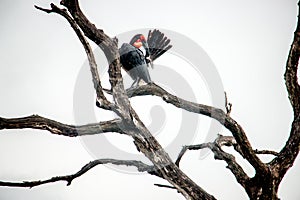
143, 139
42, 123
218, 114
216, 147
264, 184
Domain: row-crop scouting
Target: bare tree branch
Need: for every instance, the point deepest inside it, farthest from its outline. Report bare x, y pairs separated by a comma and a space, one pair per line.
164, 186
274, 153
111, 51
143, 139
218, 114
38, 122
289, 152
191, 147
107, 44
141, 167
152, 149
219, 154
290, 75
104, 103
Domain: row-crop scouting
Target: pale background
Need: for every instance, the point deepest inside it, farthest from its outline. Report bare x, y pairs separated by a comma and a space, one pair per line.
41, 56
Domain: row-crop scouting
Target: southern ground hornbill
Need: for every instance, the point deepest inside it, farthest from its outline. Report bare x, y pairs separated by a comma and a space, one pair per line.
134, 62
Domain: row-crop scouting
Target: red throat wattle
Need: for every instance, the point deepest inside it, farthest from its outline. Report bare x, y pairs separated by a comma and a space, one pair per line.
138, 43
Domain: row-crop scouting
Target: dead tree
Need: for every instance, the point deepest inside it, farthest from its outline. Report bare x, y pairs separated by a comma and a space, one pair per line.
263, 185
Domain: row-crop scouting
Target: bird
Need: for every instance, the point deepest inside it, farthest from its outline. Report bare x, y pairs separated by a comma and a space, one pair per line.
133, 60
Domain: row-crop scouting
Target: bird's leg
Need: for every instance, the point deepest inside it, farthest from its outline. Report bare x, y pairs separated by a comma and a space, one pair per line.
135, 81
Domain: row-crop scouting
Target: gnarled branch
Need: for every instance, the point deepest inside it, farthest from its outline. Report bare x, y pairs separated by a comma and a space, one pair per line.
219, 154
143, 139
290, 76
289, 152
218, 114
42, 123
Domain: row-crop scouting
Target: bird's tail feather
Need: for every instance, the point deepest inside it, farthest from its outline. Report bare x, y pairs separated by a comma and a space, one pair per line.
158, 44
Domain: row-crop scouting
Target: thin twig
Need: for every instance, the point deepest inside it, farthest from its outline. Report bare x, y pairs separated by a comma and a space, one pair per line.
228, 105
141, 167
274, 153
164, 186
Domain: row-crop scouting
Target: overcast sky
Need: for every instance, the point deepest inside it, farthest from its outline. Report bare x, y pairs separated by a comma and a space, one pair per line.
42, 60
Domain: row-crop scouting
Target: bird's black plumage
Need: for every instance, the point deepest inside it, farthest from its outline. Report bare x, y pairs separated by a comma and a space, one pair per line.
134, 62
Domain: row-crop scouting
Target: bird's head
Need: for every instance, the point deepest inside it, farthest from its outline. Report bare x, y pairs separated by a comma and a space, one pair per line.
138, 41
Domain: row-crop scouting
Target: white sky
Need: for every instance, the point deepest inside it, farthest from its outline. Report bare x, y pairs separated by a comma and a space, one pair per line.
248, 41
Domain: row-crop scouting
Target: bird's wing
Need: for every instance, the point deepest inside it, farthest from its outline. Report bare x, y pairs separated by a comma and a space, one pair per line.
133, 61
131, 56
158, 44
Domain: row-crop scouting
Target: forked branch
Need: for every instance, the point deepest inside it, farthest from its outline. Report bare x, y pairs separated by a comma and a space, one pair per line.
143, 139
146, 143
237, 131
219, 154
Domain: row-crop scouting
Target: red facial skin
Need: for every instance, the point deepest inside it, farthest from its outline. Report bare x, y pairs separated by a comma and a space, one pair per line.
138, 43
